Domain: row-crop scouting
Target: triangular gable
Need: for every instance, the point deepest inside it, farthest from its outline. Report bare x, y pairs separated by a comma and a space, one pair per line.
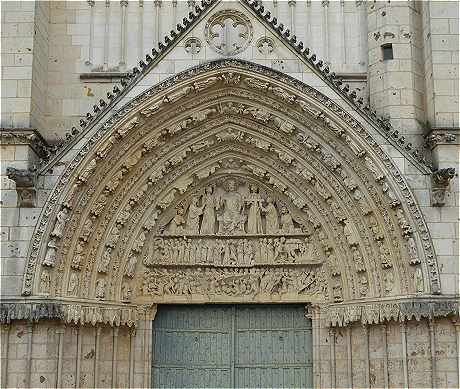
288, 56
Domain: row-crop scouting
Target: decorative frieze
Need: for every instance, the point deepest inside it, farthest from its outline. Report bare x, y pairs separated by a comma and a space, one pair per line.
382, 311
335, 315
76, 313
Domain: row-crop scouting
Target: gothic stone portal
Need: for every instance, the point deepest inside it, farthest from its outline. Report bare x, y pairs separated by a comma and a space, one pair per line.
233, 184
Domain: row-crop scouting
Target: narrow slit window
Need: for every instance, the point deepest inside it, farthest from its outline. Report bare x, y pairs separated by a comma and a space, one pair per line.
387, 51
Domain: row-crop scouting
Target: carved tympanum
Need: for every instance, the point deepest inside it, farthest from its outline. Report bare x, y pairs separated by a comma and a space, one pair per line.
231, 186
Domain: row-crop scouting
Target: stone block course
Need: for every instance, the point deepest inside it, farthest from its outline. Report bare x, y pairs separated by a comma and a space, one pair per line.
28, 216
401, 87
12, 266
9, 217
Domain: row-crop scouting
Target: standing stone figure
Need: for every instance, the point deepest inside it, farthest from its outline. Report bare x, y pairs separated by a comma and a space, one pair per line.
271, 217
45, 282
418, 278
100, 288
126, 292
61, 219
193, 218
255, 205
287, 224
178, 221
73, 284
209, 212
131, 266
50, 256
103, 264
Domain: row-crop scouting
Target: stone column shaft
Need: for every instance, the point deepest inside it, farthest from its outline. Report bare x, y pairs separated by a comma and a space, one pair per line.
90, 59
106, 35
404, 353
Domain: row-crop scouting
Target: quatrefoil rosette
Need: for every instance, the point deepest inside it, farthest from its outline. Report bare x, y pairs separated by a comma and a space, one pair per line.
228, 32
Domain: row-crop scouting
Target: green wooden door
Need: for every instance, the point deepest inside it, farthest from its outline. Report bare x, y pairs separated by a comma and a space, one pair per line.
232, 346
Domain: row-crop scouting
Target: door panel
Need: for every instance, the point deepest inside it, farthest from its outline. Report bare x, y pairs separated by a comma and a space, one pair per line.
273, 344
232, 346
190, 347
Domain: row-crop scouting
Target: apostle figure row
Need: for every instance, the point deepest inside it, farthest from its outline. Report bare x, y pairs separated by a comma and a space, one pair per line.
230, 252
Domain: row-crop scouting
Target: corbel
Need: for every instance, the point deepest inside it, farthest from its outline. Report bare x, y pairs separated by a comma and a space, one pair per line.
442, 136
440, 180
25, 185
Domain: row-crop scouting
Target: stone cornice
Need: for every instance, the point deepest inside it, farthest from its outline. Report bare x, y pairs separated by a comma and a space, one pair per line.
396, 309
442, 136
25, 136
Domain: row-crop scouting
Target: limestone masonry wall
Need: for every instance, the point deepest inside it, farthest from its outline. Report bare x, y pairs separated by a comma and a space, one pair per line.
60, 57
415, 354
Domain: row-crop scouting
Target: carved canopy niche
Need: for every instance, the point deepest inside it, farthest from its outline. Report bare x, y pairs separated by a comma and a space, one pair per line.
231, 183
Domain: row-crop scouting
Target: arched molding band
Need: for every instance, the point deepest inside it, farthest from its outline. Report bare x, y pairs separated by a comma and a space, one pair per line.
166, 145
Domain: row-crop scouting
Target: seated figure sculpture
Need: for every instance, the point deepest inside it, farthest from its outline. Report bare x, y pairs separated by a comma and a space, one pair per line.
232, 219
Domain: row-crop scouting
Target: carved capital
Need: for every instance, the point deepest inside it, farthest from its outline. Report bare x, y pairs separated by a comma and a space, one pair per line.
440, 180
25, 181
150, 311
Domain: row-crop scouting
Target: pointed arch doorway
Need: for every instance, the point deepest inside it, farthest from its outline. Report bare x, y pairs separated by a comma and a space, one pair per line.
232, 346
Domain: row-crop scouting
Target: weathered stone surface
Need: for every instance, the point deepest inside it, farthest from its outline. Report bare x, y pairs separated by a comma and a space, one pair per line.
353, 229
